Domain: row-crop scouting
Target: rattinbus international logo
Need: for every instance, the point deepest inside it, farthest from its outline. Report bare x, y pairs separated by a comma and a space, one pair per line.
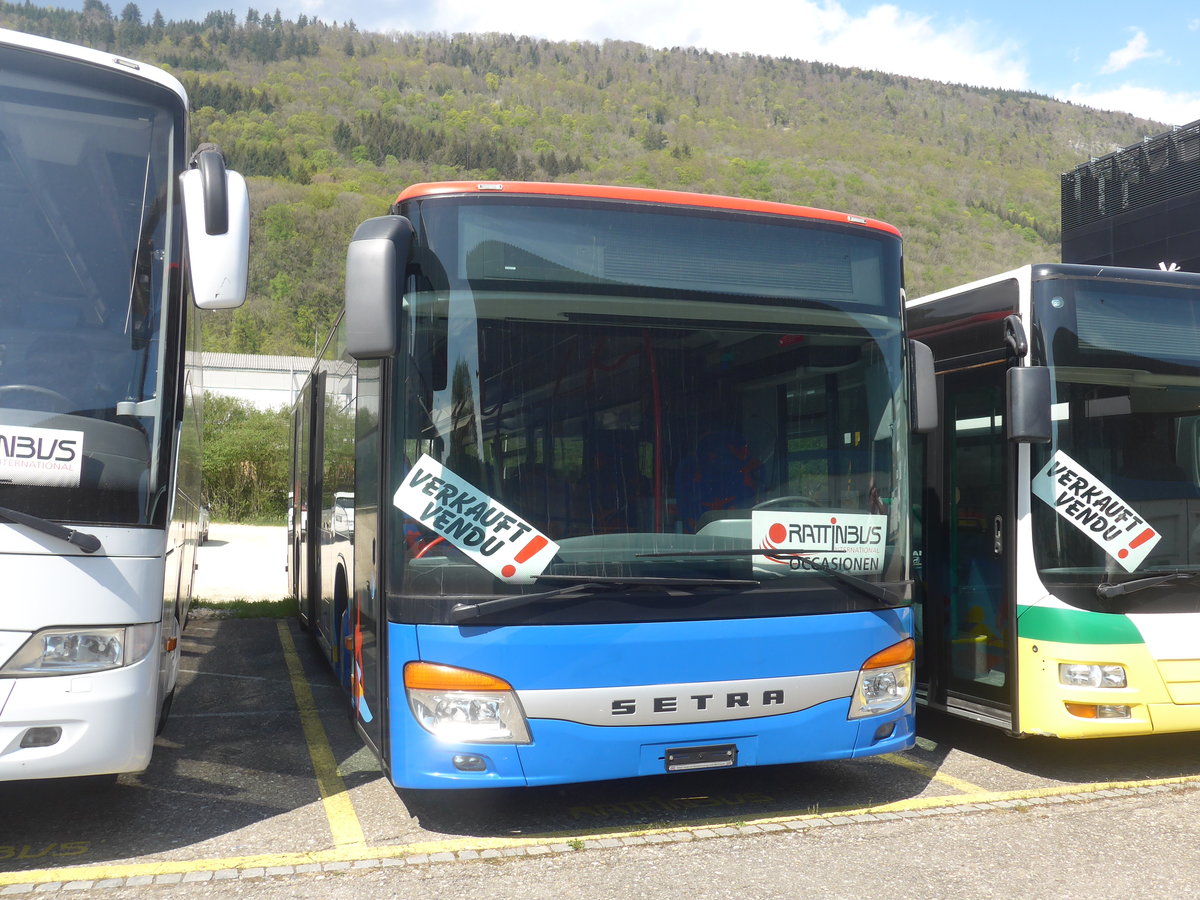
848, 542
40, 456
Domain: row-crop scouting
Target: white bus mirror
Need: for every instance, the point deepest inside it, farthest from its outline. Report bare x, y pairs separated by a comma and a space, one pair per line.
216, 210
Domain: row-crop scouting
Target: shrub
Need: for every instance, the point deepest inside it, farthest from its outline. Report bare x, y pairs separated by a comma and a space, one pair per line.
246, 459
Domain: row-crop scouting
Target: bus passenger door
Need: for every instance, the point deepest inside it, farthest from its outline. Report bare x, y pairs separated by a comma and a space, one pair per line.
302, 489
367, 619
293, 584
973, 616
317, 535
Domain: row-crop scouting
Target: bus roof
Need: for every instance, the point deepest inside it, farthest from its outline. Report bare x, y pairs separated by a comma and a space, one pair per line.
1038, 271
111, 61
638, 195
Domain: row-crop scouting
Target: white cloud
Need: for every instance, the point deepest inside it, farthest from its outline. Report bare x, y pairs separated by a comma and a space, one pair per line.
885, 37
1179, 108
1134, 50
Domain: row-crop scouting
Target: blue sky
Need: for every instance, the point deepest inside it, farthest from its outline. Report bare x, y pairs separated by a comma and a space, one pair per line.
1134, 57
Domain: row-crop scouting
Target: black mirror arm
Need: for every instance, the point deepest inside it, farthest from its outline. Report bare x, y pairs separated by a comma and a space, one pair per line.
1014, 336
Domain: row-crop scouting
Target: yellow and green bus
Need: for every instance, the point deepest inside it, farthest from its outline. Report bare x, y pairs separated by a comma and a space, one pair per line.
1057, 530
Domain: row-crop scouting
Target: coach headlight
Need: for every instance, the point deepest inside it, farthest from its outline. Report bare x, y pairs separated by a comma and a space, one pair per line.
75, 651
463, 706
885, 681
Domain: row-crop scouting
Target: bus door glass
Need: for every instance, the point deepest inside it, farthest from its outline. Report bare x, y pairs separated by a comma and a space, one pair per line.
337, 496
366, 604
313, 532
293, 567
300, 516
977, 618
919, 525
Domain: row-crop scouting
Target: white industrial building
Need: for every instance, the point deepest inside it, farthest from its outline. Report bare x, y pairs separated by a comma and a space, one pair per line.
266, 382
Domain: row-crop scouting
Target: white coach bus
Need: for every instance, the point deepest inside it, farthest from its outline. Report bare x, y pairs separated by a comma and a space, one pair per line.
111, 236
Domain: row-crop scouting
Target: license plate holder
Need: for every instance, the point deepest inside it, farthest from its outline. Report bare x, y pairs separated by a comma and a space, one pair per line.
687, 759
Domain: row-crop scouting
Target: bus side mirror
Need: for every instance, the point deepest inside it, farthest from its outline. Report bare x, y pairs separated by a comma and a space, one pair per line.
924, 394
1029, 404
216, 212
375, 264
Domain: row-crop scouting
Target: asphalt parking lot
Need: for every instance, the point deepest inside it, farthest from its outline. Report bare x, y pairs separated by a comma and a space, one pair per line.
258, 774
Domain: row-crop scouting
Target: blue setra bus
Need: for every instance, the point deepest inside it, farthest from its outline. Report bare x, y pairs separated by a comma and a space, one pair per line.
629, 482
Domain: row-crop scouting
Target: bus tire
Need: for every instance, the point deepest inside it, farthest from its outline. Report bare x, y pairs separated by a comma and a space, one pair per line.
164, 711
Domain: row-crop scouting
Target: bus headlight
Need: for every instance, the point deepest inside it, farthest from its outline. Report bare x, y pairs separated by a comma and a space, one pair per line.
885, 681
463, 706
73, 651
1086, 675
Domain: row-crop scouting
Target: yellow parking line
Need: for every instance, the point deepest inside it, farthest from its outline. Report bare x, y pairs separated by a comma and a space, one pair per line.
933, 774
354, 853
362, 852
343, 821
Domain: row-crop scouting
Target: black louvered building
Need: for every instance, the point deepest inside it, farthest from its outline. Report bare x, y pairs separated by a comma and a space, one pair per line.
1137, 207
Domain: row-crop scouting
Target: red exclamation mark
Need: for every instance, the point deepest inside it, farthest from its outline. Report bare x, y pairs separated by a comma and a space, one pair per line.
1137, 542
526, 552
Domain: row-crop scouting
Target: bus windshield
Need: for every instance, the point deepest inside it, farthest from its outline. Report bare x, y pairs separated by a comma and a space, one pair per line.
86, 239
668, 395
1117, 492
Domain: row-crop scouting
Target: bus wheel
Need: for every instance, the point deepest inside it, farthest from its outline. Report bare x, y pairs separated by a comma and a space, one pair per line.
173, 655
164, 711
341, 627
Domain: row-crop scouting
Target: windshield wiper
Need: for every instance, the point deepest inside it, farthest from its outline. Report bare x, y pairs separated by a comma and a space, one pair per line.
1106, 591
88, 543
869, 588
461, 612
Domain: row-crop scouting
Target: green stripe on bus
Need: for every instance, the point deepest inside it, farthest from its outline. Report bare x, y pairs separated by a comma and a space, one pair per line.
1075, 626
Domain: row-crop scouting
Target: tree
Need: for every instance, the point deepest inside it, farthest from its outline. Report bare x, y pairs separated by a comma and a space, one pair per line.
245, 459
131, 31
96, 29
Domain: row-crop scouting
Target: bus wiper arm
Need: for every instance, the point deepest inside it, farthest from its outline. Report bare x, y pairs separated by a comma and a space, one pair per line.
1106, 591
461, 612
869, 588
88, 543
649, 580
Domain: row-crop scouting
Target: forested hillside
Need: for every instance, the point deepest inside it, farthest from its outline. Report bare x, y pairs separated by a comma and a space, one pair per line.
330, 122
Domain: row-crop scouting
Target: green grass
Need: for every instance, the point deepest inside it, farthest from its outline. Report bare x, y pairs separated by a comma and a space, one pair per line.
249, 609
272, 518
